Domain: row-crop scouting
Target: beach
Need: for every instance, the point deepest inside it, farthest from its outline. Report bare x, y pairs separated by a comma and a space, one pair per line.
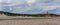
6, 20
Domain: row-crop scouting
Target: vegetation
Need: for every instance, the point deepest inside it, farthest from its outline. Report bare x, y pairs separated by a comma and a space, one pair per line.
34, 15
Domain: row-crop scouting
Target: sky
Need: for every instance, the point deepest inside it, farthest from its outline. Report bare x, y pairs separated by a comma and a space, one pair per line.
30, 6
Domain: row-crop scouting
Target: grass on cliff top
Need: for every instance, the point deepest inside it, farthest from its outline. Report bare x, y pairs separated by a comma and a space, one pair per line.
34, 15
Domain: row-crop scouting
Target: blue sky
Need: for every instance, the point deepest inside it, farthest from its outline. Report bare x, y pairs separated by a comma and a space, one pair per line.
30, 6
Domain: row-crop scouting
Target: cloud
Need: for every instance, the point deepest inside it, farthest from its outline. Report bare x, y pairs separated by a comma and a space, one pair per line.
30, 2
29, 6
57, 11
11, 2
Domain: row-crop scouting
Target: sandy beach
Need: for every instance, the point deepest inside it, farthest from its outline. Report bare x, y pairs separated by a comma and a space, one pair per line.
5, 20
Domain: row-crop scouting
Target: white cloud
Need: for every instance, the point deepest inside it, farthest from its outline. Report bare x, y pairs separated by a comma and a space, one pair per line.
11, 2
30, 2
50, 7
30, 5
0, 0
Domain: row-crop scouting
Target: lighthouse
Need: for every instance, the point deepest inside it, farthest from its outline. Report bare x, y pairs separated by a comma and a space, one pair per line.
47, 14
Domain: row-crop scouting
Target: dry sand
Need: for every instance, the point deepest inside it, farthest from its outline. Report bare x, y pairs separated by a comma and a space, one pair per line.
52, 21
